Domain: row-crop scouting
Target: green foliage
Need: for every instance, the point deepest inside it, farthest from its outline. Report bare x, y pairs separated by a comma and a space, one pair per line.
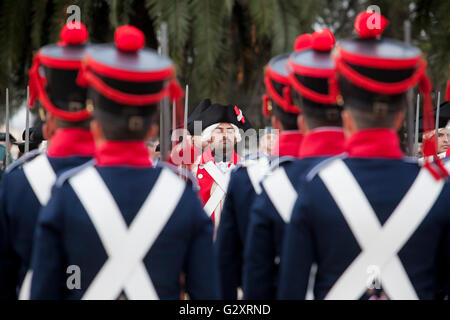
220, 47
177, 15
37, 23
119, 12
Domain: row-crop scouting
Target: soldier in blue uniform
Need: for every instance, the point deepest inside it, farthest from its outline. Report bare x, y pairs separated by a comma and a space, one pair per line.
27, 183
375, 223
244, 181
129, 229
312, 77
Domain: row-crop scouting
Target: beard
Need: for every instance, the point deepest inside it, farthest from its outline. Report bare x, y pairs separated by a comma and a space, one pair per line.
223, 148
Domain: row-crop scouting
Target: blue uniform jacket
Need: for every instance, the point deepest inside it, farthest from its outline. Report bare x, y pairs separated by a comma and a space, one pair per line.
19, 208
319, 233
265, 238
66, 236
232, 231
266, 227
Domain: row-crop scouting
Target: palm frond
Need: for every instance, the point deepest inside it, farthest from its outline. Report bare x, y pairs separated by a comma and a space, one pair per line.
229, 4
39, 12
280, 32
262, 15
209, 40
58, 18
119, 12
177, 15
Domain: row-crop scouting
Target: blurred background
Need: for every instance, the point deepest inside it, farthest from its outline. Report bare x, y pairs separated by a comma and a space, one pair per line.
220, 47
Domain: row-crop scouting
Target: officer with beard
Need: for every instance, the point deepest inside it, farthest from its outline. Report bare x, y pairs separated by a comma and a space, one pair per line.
222, 125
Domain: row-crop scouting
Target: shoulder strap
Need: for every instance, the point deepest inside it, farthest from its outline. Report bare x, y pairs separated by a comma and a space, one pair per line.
323, 164
215, 173
281, 193
256, 173
23, 159
41, 177
66, 175
184, 173
275, 162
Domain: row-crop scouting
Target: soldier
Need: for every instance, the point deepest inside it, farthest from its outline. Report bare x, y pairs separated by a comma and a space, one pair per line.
313, 78
221, 130
129, 229
375, 223
244, 181
27, 183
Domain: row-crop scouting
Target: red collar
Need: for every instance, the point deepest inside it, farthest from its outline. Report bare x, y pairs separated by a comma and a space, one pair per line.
70, 142
288, 144
123, 153
447, 154
374, 143
322, 142
208, 156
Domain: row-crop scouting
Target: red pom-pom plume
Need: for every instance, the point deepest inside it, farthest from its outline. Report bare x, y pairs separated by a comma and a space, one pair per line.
323, 40
303, 42
370, 24
73, 33
129, 38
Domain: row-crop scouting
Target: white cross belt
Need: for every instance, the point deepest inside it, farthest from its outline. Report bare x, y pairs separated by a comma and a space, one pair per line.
126, 247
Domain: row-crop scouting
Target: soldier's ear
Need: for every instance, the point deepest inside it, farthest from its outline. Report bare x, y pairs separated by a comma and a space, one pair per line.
348, 123
49, 127
45, 131
97, 132
301, 123
399, 117
153, 131
276, 123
